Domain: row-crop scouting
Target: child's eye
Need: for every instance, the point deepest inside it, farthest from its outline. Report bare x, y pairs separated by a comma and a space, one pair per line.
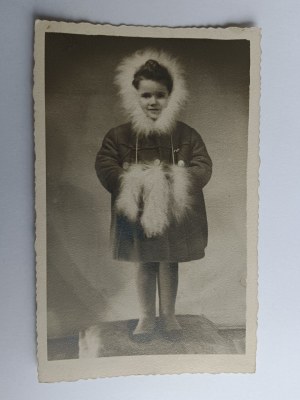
161, 95
146, 95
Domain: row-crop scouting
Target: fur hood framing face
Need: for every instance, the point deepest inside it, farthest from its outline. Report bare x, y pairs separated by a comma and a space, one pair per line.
125, 74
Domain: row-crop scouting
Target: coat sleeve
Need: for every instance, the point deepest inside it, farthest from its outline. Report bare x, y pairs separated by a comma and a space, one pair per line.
200, 164
107, 163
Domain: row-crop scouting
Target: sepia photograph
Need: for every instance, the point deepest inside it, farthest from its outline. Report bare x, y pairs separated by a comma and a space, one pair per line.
146, 144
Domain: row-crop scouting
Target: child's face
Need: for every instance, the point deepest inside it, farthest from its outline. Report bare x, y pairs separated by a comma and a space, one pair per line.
153, 97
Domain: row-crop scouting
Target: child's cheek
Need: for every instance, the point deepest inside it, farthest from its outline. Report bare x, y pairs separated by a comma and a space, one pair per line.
164, 103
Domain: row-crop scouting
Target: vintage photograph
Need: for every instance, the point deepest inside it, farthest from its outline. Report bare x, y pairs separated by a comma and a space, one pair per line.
146, 144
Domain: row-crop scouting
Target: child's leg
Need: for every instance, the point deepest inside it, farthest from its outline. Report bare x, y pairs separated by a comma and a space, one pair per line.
167, 286
146, 287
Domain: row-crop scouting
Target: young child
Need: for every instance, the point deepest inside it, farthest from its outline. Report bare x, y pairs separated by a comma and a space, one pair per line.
155, 168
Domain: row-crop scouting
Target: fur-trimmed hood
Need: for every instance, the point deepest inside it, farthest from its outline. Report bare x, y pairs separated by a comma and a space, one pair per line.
125, 74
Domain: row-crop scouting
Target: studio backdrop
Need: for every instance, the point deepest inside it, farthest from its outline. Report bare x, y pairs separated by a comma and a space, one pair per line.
84, 284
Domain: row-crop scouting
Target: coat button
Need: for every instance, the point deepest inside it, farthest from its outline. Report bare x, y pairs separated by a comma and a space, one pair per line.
181, 163
125, 165
156, 162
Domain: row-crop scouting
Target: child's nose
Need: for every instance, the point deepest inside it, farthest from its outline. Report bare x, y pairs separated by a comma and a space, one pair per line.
153, 99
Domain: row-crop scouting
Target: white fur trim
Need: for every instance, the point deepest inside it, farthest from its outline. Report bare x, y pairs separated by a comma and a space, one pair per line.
130, 192
161, 195
125, 73
181, 191
156, 196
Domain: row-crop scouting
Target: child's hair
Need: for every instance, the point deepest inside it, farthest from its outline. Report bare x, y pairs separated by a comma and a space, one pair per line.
154, 71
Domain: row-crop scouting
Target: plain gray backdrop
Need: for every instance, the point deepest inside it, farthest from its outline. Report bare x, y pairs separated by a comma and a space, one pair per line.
85, 285
277, 373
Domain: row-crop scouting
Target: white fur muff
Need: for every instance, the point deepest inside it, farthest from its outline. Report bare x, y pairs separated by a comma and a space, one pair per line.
154, 196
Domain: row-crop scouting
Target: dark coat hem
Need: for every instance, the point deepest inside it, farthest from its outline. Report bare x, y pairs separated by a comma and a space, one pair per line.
183, 260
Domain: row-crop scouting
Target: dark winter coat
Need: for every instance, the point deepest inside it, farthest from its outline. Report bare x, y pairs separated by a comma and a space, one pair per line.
182, 241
